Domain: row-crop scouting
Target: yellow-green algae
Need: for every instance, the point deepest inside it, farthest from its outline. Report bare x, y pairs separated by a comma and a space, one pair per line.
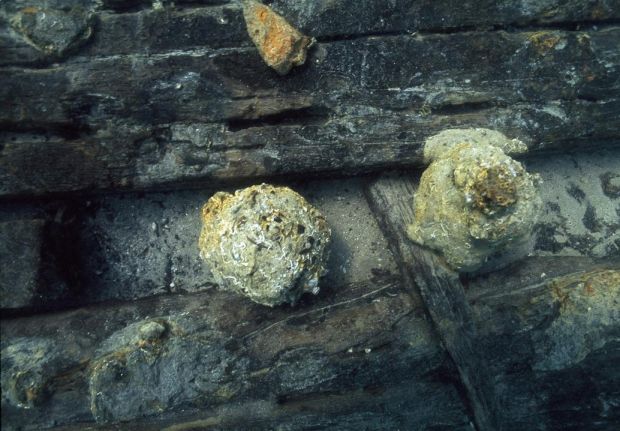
475, 205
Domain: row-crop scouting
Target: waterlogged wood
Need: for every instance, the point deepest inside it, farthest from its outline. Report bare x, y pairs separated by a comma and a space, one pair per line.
195, 154
172, 357
553, 347
364, 355
518, 335
390, 72
143, 95
126, 27
443, 295
143, 121
21, 244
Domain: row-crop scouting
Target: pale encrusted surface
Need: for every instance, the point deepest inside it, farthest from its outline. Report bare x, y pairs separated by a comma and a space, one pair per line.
265, 242
475, 205
437, 145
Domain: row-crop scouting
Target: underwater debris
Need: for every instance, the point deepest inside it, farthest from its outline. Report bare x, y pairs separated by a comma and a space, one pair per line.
280, 45
475, 205
267, 243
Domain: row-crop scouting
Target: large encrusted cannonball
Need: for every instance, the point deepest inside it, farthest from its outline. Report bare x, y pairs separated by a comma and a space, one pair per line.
475, 205
267, 243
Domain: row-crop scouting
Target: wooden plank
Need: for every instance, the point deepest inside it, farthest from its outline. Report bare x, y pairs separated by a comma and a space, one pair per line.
520, 334
197, 354
197, 154
114, 122
443, 294
564, 327
364, 353
394, 72
125, 27
342, 17
21, 246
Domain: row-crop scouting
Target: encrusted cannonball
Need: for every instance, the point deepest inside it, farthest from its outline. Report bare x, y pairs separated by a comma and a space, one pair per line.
267, 243
475, 205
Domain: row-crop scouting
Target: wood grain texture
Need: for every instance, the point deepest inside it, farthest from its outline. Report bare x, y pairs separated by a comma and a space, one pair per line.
139, 96
443, 295
177, 98
370, 342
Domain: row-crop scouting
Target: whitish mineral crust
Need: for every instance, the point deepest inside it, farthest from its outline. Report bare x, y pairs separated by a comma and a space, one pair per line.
265, 242
475, 205
280, 44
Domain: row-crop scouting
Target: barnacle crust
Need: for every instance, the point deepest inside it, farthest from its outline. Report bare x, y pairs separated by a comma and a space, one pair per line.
267, 243
475, 205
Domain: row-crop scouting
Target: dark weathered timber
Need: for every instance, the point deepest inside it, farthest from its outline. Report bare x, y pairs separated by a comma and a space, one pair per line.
443, 294
361, 355
345, 18
174, 158
196, 154
368, 346
128, 27
140, 121
392, 72
21, 246
137, 95
564, 326
556, 330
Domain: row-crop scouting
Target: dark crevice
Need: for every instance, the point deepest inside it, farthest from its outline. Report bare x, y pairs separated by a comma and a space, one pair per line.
447, 374
291, 117
168, 276
353, 36
582, 25
47, 131
476, 106
588, 98
125, 6
186, 4
132, 6
57, 274
513, 27
464, 108
523, 27
297, 400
